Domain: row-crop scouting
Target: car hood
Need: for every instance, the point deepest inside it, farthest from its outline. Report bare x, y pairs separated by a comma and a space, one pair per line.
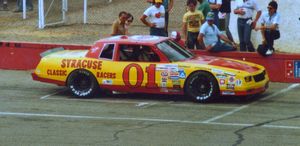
223, 62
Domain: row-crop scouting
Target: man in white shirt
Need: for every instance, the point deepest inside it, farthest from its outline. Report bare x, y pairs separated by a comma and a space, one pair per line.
156, 15
209, 37
270, 26
245, 10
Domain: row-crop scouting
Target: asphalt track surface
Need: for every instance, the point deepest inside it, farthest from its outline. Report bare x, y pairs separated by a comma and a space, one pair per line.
34, 113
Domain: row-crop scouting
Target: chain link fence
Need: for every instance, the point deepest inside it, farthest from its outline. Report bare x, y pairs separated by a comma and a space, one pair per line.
104, 12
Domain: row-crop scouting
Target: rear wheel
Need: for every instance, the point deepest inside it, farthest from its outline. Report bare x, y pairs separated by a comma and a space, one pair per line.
82, 83
201, 86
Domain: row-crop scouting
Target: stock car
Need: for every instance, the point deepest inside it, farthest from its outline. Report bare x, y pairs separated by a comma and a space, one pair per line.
149, 64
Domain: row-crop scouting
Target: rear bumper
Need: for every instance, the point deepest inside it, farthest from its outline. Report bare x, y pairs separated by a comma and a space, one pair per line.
37, 78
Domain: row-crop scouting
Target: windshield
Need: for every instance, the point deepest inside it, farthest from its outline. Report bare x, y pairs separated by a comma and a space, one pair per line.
173, 51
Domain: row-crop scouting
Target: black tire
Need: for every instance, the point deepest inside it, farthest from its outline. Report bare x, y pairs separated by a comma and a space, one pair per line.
82, 83
201, 86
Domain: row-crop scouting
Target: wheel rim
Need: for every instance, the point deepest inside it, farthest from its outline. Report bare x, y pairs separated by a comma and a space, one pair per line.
202, 87
82, 83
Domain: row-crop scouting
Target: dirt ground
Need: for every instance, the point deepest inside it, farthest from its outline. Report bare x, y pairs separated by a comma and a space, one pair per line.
101, 15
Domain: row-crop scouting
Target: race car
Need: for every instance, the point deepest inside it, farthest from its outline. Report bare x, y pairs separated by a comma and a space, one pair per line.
149, 64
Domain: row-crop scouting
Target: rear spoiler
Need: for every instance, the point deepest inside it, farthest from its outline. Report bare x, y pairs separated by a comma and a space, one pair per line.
50, 51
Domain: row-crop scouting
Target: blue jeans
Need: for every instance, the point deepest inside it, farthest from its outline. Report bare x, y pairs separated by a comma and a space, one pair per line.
157, 31
228, 33
244, 31
29, 4
220, 47
192, 41
216, 18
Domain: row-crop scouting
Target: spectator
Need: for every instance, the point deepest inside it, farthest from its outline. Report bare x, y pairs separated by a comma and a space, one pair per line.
156, 15
118, 26
29, 5
4, 5
209, 37
226, 9
270, 27
192, 21
168, 4
215, 5
128, 22
245, 10
204, 7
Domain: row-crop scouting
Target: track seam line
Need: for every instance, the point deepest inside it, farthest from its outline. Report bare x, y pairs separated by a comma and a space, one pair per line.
141, 119
46, 96
246, 106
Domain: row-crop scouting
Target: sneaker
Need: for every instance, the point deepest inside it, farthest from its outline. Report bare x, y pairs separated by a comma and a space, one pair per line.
269, 52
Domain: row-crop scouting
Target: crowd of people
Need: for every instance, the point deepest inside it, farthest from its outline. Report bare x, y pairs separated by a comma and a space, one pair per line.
201, 24
19, 8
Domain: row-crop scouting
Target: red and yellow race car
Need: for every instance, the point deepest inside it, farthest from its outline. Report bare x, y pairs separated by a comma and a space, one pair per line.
149, 64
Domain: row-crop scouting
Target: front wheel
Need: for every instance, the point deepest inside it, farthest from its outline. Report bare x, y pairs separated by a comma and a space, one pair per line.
201, 86
82, 83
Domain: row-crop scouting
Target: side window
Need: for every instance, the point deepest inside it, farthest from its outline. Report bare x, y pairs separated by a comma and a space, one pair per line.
137, 53
108, 51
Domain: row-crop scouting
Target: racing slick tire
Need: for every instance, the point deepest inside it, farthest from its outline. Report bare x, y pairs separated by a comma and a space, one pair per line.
201, 87
82, 83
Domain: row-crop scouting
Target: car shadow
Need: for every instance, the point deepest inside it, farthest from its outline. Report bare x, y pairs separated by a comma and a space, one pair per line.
168, 98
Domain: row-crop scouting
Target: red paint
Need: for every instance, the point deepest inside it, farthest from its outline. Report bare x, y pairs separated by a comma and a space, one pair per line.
37, 78
25, 56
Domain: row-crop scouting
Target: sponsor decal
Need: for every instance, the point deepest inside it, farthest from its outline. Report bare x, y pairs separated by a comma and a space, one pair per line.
217, 71
238, 83
164, 90
94, 49
107, 82
176, 87
228, 93
106, 75
222, 82
163, 84
78, 63
176, 82
230, 86
164, 79
219, 76
164, 74
182, 74
296, 69
56, 72
231, 80
174, 90
167, 67
174, 75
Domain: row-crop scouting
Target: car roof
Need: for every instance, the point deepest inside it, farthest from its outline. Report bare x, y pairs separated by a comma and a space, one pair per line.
135, 39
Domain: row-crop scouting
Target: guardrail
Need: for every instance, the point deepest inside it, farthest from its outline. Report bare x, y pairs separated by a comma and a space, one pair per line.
281, 67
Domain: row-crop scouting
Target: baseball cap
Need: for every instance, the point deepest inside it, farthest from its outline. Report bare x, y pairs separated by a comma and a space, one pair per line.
158, 1
210, 16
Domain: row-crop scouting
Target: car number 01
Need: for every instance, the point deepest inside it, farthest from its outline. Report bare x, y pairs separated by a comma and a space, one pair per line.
150, 70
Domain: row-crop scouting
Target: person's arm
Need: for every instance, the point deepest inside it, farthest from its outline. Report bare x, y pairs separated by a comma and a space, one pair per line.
225, 39
258, 14
171, 4
216, 6
143, 19
114, 29
184, 30
201, 42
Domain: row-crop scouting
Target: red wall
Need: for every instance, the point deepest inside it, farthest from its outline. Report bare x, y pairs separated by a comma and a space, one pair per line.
282, 67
